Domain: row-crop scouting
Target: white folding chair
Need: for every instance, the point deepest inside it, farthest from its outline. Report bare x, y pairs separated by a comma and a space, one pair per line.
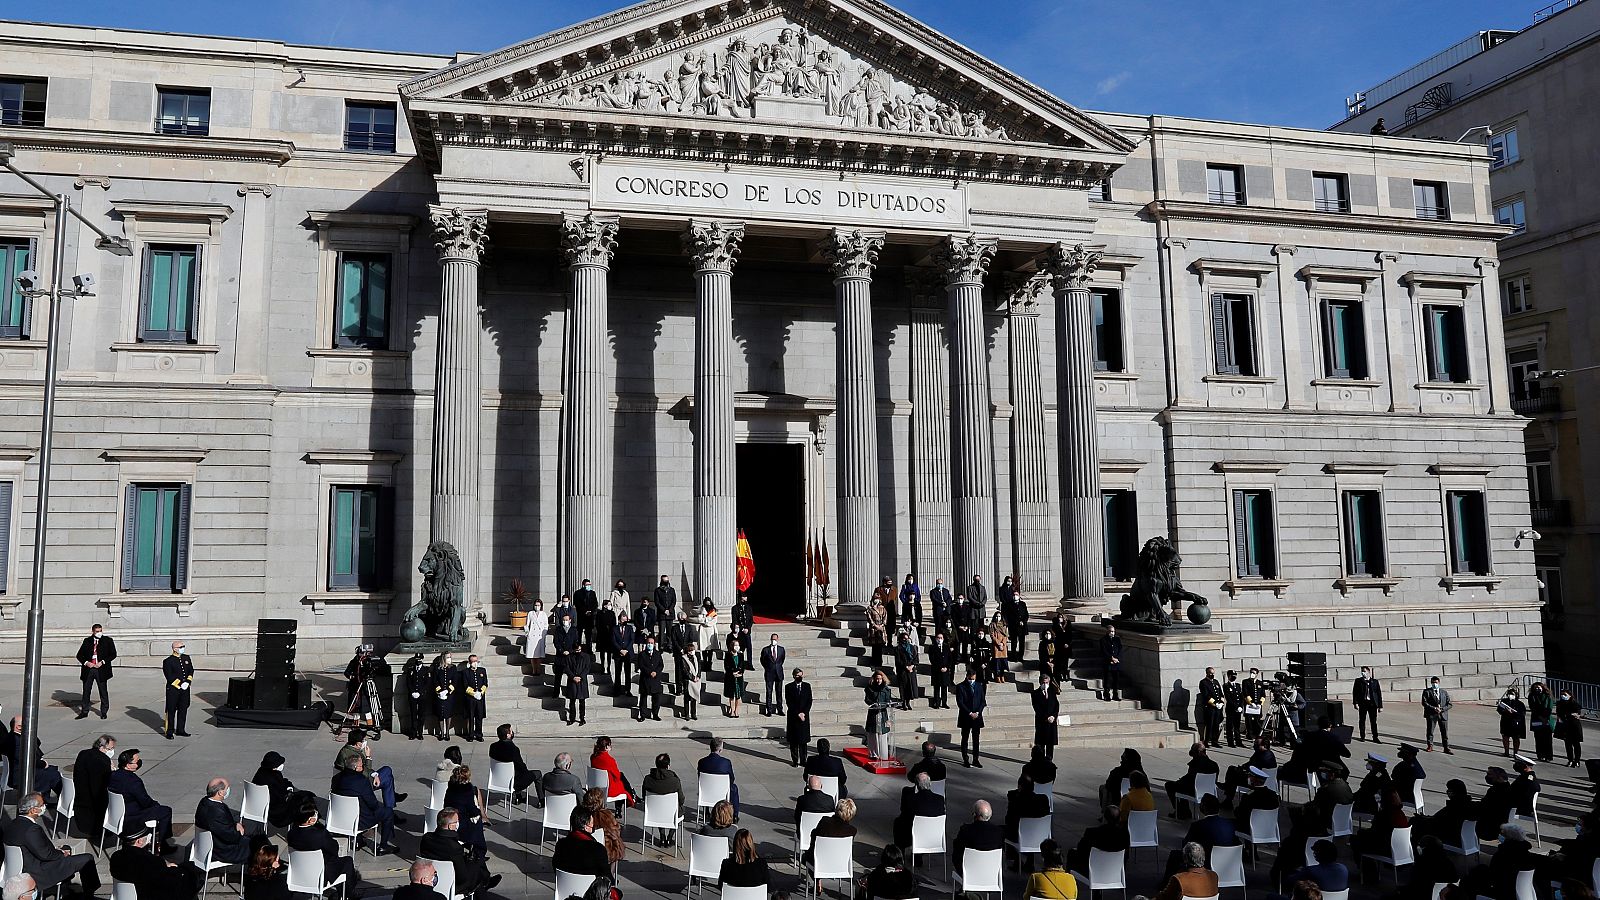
1127, 785
661, 811
1336, 895
502, 780
1469, 842
1107, 872
1217, 896
111, 825
569, 885
600, 780
1414, 804
1533, 817
706, 853
1525, 885
436, 790
344, 820
1310, 783
1594, 874
1228, 863
927, 836
597, 778
832, 859
64, 804
124, 890
430, 820
978, 872
1438, 889
712, 789
200, 850
557, 814
1344, 820
830, 786
734, 892
1263, 830
1399, 851
1272, 782
802, 833
1203, 784
257, 799
1143, 830
445, 878
1030, 834
937, 787
306, 874
1047, 791
13, 865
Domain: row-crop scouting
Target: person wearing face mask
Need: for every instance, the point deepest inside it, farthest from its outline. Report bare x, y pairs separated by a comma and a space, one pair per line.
1367, 695
772, 658
535, 637
1436, 712
911, 603
1513, 722
1374, 785
1111, 652
95, 655
418, 688
619, 601
941, 602
972, 699
179, 671
90, 773
1569, 727
1254, 690
282, 799
575, 685
444, 685
475, 684
213, 815
906, 659
666, 598
444, 843
645, 620
586, 603
797, 729
652, 681
141, 807
622, 641
941, 671
1542, 721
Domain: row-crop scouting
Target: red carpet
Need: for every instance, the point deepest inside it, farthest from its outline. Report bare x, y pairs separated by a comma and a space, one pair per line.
773, 620
858, 755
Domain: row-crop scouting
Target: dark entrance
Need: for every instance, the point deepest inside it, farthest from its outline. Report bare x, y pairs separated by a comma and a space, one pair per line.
771, 485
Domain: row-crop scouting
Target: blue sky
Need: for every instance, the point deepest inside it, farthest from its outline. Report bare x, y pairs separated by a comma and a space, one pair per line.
1281, 62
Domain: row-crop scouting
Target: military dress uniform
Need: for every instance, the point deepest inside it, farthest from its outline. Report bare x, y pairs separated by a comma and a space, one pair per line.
418, 684
444, 696
1255, 695
1209, 721
475, 684
1233, 696
179, 671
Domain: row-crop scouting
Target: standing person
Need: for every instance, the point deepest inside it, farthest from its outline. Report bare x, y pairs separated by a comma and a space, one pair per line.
605, 626
1000, 646
709, 636
1046, 710
688, 680
652, 680
964, 623
981, 657
1569, 727
575, 685
361, 668
772, 658
797, 730
733, 675
1233, 697
941, 671
619, 601
911, 602
971, 700
1208, 721
1015, 612
475, 684
942, 604
1367, 694
906, 658
586, 604
877, 629
418, 688
886, 594
1542, 720
622, 641
645, 620
446, 682
880, 715
978, 595
1061, 638
666, 597
178, 669
1111, 652
1513, 722
1436, 711
95, 655
534, 637
744, 621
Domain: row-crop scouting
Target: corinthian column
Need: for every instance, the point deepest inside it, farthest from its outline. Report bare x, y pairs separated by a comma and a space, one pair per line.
1082, 542
588, 244
1031, 515
460, 236
852, 256
713, 246
965, 260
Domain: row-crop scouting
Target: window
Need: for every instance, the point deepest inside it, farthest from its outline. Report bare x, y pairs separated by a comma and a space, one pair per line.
1233, 334
1541, 480
16, 257
1225, 184
1445, 337
1513, 213
155, 543
1503, 148
1106, 307
1469, 533
358, 538
1120, 528
1523, 362
168, 295
22, 102
1331, 192
1363, 534
1548, 571
1517, 293
369, 126
6, 489
362, 316
183, 111
1344, 339
1101, 191
1254, 544
1430, 199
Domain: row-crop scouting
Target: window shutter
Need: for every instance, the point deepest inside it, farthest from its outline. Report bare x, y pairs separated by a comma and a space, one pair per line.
1245, 359
1377, 551
193, 300
384, 565
1356, 340
1130, 532
1109, 524
1241, 536
5, 532
1478, 532
1266, 541
130, 534
1221, 340
1460, 371
143, 331
1352, 536
27, 302
1330, 344
333, 537
180, 566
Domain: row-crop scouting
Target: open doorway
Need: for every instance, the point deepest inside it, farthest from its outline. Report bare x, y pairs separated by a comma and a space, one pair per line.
771, 510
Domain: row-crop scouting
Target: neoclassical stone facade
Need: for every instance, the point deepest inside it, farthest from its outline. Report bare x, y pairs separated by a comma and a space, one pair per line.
808, 270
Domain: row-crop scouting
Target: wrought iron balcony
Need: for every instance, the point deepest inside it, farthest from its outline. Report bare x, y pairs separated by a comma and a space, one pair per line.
1543, 402
1551, 512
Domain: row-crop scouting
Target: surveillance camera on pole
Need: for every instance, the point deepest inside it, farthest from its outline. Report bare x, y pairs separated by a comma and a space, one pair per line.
28, 281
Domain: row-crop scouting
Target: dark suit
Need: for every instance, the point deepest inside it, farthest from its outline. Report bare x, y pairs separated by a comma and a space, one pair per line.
318, 837
581, 854
977, 836
227, 843
1258, 798
652, 682
1023, 803
934, 768
666, 598
942, 661
587, 604
42, 859
103, 650
797, 729
1208, 712
717, 764
939, 597
1110, 837
972, 699
178, 670
153, 879
416, 892
46, 778
373, 812
91, 772
1111, 651
829, 766
280, 794
441, 845
1367, 694
915, 803
1213, 831
140, 806
812, 802
506, 751
772, 659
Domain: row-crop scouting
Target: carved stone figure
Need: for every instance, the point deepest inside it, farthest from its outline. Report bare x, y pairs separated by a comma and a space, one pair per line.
1156, 585
441, 613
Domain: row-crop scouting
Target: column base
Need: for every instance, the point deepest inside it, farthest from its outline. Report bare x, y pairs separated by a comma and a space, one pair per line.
1085, 608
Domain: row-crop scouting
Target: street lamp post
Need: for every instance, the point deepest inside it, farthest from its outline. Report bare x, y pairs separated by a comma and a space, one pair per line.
82, 287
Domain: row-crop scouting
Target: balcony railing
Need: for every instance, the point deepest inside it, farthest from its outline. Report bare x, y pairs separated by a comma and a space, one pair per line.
1551, 512
1542, 402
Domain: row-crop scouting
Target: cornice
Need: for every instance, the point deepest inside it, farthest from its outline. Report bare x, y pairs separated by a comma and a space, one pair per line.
1417, 277
1339, 273
1189, 210
155, 454
1249, 466
1458, 469
171, 209
344, 219
26, 203
348, 457
126, 143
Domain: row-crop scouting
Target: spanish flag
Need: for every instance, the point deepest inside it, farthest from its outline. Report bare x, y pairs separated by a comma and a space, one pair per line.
745, 563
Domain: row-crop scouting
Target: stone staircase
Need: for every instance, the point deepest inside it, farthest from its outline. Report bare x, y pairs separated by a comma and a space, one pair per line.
838, 666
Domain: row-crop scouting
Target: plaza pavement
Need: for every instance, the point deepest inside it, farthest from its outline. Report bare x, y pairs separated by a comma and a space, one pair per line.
176, 772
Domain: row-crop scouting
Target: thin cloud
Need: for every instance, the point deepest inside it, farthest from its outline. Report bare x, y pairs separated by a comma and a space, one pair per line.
1107, 85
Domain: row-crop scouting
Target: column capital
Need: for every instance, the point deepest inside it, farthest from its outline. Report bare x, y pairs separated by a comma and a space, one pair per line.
925, 287
459, 234
589, 240
852, 252
964, 258
1025, 291
714, 246
1070, 266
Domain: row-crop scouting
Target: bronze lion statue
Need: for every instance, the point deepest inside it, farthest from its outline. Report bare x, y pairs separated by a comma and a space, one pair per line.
443, 607
1156, 584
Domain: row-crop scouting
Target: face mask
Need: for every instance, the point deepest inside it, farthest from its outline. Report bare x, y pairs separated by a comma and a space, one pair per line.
183, 651
110, 754
774, 643
227, 792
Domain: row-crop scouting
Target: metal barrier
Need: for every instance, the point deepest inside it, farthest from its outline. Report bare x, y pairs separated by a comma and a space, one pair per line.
1587, 695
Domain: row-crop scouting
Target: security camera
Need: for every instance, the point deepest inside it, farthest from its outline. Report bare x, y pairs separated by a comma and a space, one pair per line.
28, 280
84, 283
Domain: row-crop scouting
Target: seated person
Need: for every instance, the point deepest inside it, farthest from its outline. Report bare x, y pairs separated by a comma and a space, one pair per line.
152, 877
930, 763
917, 800
213, 815
420, 885
444, 844
267, 877
743, 867
353, 782
1052, 881
1110, 836
466, 799
1040, 768
1316, 748
1369, 794
979, 834
662, 781
1212, 829
560, 780
616, 783
1261, 757
138, 803
1459, 807
579, 851
46, 778
1260, 797
835, 826
813, 799
714, 763
504, 749
1137, 799
1200, 763
1407, 774
1375, 840
281, 805
1514, 856
1193, 880
308, 833
1327, 873
1023, 802
826, 765
1111, 791
1497, 805
48, 864
1433, 865
720, 823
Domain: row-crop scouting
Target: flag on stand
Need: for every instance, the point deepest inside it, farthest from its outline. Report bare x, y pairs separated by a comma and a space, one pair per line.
745, 563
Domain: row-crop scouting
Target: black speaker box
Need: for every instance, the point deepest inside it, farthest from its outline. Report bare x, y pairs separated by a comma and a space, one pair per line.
274, 692
241, 693
1312, 657
276, 626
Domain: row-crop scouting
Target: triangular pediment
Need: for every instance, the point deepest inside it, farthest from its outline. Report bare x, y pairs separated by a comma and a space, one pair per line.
826, 65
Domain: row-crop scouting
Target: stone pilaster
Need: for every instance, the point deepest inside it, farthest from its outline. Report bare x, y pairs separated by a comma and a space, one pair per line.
965, 260
251, 328
587, 244
930, 429
852, 255
713, 246
1031, 513
460, 236
1082, 539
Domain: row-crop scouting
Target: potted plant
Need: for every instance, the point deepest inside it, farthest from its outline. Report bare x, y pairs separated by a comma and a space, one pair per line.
517, 595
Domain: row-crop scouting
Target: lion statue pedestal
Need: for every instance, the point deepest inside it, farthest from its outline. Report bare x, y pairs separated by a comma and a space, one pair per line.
1157, 591
437, 622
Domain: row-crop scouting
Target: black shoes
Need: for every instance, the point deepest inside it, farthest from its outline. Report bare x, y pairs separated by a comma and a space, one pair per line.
83, 714
184, 734
400, 797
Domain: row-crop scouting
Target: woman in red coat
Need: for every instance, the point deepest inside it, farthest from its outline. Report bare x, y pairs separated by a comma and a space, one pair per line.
617, 785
